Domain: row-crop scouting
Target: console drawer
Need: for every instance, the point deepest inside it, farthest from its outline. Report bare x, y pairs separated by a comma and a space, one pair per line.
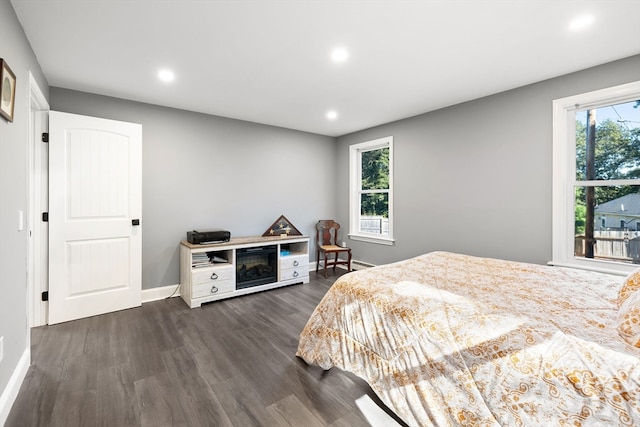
212, 288
294, 273
294, 261
212, 274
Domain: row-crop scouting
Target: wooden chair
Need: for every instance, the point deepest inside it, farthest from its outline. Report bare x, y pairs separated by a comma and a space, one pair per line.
327, 244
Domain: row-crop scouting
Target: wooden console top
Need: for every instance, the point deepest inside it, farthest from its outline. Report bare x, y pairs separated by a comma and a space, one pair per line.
244, 241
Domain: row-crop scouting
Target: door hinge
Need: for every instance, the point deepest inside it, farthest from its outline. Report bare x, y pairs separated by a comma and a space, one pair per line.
45, 137
45, 296
45, 216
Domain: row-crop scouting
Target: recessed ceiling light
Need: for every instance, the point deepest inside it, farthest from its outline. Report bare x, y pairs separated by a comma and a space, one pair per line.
332, 115
339, 54
581, 22
166, 76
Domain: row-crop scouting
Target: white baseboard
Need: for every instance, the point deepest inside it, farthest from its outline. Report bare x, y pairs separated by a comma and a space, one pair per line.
360, 265
156, 294
10, 392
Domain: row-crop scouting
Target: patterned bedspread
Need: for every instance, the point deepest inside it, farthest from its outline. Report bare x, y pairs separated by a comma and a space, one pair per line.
452, 340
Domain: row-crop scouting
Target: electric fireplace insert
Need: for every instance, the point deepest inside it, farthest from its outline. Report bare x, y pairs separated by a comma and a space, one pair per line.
256, 266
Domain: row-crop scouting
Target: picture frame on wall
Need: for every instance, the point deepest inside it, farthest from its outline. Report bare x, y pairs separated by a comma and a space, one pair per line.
7, 91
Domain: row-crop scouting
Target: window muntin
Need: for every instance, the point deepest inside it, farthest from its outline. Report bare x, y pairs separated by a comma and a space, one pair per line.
596, 163
371, 195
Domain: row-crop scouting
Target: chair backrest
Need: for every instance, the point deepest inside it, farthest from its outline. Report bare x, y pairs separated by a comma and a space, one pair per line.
327, 232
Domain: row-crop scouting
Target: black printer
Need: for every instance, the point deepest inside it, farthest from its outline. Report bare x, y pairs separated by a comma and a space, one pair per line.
205, 237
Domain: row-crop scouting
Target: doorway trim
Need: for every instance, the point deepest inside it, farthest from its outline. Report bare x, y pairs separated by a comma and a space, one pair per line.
37, 255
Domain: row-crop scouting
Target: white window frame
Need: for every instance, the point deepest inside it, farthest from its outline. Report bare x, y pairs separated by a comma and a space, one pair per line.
564, 175
355, 186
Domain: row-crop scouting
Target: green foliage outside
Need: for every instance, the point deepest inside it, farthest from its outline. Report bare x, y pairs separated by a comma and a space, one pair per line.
617, 156
375, 176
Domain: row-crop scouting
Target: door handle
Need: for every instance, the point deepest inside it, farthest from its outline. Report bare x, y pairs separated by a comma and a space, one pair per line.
135, 221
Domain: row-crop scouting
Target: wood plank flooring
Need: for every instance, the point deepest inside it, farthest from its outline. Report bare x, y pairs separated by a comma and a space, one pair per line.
228, 363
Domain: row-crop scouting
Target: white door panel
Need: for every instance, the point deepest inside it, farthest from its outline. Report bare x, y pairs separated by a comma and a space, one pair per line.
95, 187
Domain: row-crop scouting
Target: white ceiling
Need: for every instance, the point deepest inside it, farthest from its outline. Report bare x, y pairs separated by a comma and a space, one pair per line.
269, 62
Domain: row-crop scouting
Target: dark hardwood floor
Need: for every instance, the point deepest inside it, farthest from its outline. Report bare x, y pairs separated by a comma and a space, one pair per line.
228, 363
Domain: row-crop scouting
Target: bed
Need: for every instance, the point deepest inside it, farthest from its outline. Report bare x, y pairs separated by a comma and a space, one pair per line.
447, 339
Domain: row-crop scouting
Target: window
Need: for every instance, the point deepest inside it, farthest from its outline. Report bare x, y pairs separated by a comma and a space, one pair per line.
371, 191
596, 175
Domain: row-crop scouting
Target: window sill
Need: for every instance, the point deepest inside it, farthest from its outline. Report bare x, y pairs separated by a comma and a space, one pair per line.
597, 266
371, 239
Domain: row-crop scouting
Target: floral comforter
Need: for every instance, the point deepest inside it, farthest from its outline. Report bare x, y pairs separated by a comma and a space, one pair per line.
452, 340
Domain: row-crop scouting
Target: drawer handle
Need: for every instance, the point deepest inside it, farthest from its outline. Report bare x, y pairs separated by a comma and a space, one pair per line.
214, 289
214, 276
295, 274
296, 263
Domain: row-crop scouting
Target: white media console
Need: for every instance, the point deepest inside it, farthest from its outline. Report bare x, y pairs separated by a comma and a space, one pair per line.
241, 266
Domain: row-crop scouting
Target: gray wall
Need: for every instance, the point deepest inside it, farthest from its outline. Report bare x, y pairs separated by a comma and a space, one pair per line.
476, 178
201, 171
15, 49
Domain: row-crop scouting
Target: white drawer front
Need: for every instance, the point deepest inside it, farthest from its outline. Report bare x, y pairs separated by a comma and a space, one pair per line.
294, 261
212, 288
294, 273
215, 274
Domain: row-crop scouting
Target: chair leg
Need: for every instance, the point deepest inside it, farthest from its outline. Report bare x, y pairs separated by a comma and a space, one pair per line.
335, 261
317, 260
325, 265
349, 261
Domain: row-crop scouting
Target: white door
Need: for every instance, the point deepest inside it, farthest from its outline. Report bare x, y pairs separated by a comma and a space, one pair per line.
95, 186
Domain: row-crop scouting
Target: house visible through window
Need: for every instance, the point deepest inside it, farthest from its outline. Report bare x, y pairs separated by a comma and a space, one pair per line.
596, 202
371, 191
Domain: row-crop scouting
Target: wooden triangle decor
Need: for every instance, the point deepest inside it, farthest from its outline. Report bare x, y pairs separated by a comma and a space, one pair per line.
282, 227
